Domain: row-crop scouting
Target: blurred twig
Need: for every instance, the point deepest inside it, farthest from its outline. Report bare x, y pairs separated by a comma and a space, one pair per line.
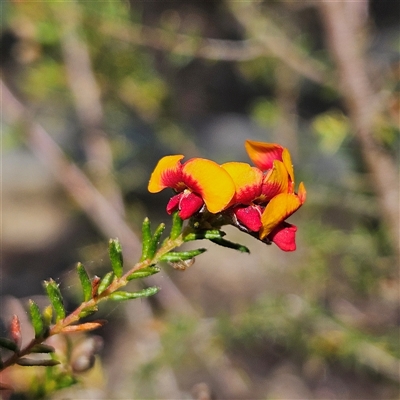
362, 104
274, 42
182, 44
86, 94
147, 348
287, 94
365, 351
261, 44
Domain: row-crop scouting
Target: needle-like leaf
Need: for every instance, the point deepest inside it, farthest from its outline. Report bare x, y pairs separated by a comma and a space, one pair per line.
175, 256
36, 318
115, 253
120, 295
85, 282
56, 300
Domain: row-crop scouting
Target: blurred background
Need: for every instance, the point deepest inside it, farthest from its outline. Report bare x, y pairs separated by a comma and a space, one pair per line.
94, 93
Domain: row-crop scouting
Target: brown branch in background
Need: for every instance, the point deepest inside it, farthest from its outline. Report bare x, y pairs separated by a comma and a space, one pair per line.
182, 44
287, 93
362, 104
71, 177
260, 45
275, 43
224, 375
86, 94
144, 344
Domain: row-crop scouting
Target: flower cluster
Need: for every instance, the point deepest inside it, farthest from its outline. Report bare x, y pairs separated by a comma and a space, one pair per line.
257, 199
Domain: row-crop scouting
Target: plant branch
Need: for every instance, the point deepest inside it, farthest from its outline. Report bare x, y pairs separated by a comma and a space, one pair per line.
259, 45
116, 284
362, 104
275, 43
89, 199
76, 315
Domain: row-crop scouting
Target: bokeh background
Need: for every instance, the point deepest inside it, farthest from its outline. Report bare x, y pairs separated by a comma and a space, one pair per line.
94, 93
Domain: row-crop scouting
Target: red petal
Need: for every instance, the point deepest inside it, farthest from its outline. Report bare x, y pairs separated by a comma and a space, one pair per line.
189, 204
173, 203
250, 217
284, 236
263, 154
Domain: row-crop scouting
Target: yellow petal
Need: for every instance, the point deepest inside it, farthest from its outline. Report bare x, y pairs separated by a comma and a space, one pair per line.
167, 173
276, 181
247, 179
302, 194
278, 209
210, 181
287, 160
263, 154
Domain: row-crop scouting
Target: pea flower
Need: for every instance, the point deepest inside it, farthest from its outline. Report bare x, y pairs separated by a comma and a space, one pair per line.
256, 199
274, 227
253, 190
197, 182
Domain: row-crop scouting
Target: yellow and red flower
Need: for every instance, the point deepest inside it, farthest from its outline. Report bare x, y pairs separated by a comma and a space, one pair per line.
275, 160
274, 226
248, 188
254, 189
264, 155
256, 199
197, 182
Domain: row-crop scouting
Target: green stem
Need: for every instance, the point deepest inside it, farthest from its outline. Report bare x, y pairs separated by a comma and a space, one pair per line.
74, 316
118, 283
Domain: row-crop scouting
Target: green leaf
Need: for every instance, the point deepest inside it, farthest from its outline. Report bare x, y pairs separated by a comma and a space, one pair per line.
120, 295
155, 240
47, 315
213, 234
115, 253
54, 294
175, 256
85, 282
42, 348
143, 273
146, 239
29, 362
105, 282
230, 245
8, 344
36, 318
88, 311
177, 223
150, 242
204, 234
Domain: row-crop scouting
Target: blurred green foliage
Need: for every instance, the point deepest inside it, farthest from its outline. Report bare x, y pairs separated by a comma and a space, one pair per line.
340, 293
